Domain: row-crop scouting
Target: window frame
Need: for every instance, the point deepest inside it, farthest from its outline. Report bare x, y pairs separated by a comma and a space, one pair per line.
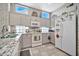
44, 16
39, 14
17, 5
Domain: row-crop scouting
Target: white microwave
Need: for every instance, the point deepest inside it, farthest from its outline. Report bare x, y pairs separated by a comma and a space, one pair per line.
35, 24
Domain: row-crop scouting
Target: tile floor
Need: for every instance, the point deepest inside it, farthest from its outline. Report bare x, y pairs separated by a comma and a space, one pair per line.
46, 50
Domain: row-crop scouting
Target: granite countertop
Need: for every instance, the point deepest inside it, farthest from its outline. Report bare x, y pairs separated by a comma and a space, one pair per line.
8, 45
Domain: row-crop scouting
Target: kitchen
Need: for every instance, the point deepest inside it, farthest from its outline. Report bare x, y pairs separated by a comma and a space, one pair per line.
29, 29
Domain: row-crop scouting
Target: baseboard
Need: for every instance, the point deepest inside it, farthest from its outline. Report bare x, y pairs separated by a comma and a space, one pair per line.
45, 43
26, 47
52, 43
61, 50
64, 52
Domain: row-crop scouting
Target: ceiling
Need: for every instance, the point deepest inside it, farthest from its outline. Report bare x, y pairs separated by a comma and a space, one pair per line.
49, 7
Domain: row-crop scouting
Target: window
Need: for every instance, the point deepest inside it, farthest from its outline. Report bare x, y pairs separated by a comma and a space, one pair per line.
45, 15
21, 29
23, 10
45, 29
30, 11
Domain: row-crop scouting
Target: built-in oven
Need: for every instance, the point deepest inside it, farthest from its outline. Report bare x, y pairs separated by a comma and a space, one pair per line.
36, 33
36, 39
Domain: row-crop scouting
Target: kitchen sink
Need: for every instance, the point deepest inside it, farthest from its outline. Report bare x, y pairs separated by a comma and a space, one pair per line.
9, 36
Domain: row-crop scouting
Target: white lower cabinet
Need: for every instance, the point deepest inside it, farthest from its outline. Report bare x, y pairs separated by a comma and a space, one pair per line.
45, 38
52, 36
26, 40
36, 39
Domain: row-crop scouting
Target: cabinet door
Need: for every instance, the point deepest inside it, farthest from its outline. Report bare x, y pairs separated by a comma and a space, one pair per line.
22, 20
14, 19
4, 6
58, 33
52, 35
27, 40
4, 18
27, 20
45, 38
69, 36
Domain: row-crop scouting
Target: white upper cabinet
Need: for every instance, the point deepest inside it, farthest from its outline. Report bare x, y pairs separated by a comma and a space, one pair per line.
4, 6
19, 19
14, 19
4, 18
